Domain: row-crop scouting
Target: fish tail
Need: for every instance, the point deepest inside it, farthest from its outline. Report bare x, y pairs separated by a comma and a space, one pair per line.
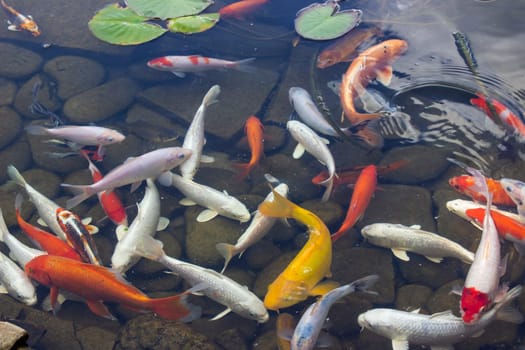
279, 207
337, 235
19, 199
175, 308
150, 248
211, 96
226, 251
329, 187
365, 283
36, 130
3, 227
507, 313
82, 192
244, 65
15, 175
244, 170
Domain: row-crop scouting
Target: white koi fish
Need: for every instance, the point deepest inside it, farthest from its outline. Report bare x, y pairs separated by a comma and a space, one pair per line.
309, 326
235, 297
440, 330
516, 191
216, 202
15, 282
85, 135
132, 171
259, 226
147, 222
180, 65
402, 239
311, 142
194, 139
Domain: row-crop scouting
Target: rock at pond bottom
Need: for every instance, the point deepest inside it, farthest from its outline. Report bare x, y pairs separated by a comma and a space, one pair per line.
11, 126
150, 332
11, 335
17, 63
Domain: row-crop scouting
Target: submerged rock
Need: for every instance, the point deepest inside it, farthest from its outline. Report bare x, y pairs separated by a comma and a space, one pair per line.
17, 153
17, 62
7, 92
46, 96
11, 126
11, 335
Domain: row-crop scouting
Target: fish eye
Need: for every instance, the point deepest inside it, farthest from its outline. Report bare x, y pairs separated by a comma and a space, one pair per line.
110, 139
181, 156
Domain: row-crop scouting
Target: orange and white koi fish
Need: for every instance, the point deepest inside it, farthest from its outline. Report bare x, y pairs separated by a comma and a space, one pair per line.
17, 21
98, 284
373, 63
241, 9
109, 200
180, 65
465, 184
344, 48
363, 192
255, 134
516, 191
301, 278
511, 121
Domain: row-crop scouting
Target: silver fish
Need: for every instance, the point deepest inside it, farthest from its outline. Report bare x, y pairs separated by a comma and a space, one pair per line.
15, 282
86, 135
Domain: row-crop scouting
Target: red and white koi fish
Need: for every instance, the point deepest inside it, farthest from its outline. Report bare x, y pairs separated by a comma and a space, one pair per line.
132, 171
511, 121
17, 21
364, 189
241, 9
515, 189
254, 130
109, 200
466, 184
373, 63
482, 287
180, 65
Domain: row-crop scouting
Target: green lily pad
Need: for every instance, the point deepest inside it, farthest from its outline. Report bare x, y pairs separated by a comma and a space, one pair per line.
122, 26
325, 21
165, 9
193, 24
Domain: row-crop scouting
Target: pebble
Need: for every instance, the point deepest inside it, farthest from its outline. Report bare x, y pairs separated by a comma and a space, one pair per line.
17, 62
11, 126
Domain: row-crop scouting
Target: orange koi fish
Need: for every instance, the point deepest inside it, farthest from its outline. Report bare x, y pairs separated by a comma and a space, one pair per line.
254, 133
17, 21
344, 48
465, 184
363, 191
241, 9
373, 63
47, 241
98, 284
511, 121
108, 199
301, 277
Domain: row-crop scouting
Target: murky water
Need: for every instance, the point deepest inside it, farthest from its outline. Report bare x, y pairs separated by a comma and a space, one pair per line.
430, 119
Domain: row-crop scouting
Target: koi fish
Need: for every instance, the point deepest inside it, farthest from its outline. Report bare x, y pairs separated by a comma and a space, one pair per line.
402, 239
465, 184
363, 192
515, 189
308, 140
18, 21
45, 240
301, 278
132, 171
373, 63
194, 139
254, 133
439, 330
79, 236
511, 121
98, 284
109, 200
240, 9
285, 325
13, 281
180, 65
344, 48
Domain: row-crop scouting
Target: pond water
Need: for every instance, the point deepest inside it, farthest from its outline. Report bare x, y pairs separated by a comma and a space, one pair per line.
68, 73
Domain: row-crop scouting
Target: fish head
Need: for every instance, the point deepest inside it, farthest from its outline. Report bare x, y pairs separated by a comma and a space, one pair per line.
31, 27
25, 291
109, 137
394, 48
461, 183
251, 309
472, 304
379, 321
36, 270
295, 93
176, 156
514, 189
326, 59
237, 210
160, 63
376, 231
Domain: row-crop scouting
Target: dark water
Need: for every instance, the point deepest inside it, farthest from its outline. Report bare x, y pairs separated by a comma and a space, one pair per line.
428, 97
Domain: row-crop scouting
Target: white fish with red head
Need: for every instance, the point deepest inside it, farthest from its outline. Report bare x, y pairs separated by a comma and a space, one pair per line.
482, 286
86, 135
516, 191
180, 65
309, 141
194, 139
132, 171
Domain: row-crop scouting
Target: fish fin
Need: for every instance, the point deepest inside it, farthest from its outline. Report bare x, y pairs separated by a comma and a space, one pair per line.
98, 308
226, 251
13, 28
179, 74
298, 151
221, 314
279, 207
244, 65
399, 344
163, 223
323, 288
325, 141
175, 308
329, 188
3, 289
15, 176
244, 169
456, 290
478, 334
434, 259
324, 340
87, 220
134, 186
149, 248
82, 192
206, 215
443, 314
384, 75
207, 159
165, 179
503, 265
121, 231
187, 202
34, 129
400, 254
520, 248
41, 222
415, 227
53, 296
46, 303
91, 229
509, 314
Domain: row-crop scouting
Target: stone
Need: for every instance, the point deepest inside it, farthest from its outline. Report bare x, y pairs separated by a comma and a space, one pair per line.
329, 212
260, 254
270, 273
11, 335
8, 90
420, 270
442, 299
412, 296
101, 102
152, 126
17, 62
11, 126
95, 338
232, 339
46, 96
74, 74
17, 153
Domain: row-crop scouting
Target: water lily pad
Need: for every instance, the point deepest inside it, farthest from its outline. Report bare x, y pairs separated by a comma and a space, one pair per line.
193, 24
325, 21
165, 9
122, 26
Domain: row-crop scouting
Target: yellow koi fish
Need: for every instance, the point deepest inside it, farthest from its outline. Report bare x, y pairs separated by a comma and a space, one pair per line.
301, 277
